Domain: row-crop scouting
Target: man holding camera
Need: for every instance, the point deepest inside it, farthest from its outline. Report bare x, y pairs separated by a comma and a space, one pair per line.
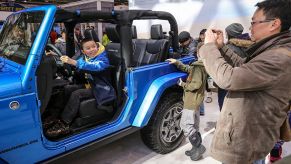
259, 88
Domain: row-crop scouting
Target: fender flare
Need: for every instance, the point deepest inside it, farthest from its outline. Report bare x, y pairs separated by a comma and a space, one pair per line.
153, 96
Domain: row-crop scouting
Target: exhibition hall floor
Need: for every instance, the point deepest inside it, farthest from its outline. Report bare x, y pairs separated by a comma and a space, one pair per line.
131, 150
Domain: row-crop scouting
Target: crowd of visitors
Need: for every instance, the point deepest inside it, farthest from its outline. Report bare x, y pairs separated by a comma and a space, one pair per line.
251, 74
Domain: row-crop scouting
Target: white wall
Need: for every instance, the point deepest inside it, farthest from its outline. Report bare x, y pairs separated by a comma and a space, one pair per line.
194, 15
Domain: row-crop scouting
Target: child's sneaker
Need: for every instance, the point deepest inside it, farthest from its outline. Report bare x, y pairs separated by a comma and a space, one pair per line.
275, 154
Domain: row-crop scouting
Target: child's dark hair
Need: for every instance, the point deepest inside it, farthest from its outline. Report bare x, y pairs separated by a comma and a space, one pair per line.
85, 40
277, 9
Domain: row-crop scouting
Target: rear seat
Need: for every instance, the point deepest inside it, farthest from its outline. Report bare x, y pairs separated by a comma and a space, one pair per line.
149, 51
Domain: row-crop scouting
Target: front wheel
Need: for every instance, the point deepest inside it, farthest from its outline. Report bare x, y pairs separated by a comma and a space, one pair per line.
163, 133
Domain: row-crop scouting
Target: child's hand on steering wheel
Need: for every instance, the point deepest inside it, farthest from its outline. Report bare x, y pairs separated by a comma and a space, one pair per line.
66, 59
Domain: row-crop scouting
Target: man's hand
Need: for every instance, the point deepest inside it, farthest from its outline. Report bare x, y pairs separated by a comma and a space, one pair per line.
210, 36
171, 61
220, 38
179, 82
214, 36
66, 59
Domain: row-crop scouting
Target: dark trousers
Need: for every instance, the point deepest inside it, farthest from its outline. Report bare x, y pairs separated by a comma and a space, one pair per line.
221, 95
76, 94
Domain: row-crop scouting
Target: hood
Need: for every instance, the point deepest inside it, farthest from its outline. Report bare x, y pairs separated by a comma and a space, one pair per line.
10, 83
241, 42
101, 49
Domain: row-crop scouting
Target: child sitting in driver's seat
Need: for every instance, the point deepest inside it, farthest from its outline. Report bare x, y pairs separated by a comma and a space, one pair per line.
93, 61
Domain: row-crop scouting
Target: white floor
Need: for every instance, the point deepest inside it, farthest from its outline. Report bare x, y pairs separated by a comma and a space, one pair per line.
131, 150
207, 124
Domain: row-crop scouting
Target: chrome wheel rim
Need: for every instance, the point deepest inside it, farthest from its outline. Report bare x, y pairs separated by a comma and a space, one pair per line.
170, 127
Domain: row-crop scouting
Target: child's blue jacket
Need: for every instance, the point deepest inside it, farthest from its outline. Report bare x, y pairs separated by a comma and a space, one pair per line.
98, 75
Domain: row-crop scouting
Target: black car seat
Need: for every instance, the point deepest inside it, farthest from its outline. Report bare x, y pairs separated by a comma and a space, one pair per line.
91, 33
113, 52
149, 51
91, 114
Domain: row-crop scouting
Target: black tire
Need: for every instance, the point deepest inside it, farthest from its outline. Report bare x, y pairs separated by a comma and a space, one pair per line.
156, 134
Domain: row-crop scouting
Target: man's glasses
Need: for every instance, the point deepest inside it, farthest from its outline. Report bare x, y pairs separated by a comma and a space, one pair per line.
257, 22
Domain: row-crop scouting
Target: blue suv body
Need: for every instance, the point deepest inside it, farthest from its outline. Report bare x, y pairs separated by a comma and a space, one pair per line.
148, 97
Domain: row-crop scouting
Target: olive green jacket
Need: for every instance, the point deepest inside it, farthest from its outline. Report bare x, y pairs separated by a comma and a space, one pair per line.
195, 84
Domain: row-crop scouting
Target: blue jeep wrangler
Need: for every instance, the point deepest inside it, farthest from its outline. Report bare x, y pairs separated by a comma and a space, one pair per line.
148, 98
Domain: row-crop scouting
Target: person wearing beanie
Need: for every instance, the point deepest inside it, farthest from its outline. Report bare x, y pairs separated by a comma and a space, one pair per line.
234, 33
234, 30
188, 45
238, 43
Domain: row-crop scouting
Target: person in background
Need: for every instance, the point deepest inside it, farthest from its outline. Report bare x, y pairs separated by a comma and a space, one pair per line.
53, 36
276, 152
188, 45
105, 39
193, 97
259, 87
61, 42
15, 42
94, 60
77, 36
201, 37
238, 43
77, 40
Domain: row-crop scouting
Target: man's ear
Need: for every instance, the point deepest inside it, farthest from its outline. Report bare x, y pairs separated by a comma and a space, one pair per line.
276, 25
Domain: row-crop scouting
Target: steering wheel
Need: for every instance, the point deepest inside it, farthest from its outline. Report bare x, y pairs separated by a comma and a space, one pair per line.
57, 55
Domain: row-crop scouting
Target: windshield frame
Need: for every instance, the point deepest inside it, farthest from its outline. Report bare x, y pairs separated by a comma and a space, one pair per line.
17, 36
27, 72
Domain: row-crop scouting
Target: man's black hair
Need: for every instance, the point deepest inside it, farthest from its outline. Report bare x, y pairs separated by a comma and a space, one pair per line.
87, 40
277, 9
184, 36
202, 31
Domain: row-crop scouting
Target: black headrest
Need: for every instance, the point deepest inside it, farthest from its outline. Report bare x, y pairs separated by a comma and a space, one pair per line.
133, 31
90, 33
112, 33
157, 31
